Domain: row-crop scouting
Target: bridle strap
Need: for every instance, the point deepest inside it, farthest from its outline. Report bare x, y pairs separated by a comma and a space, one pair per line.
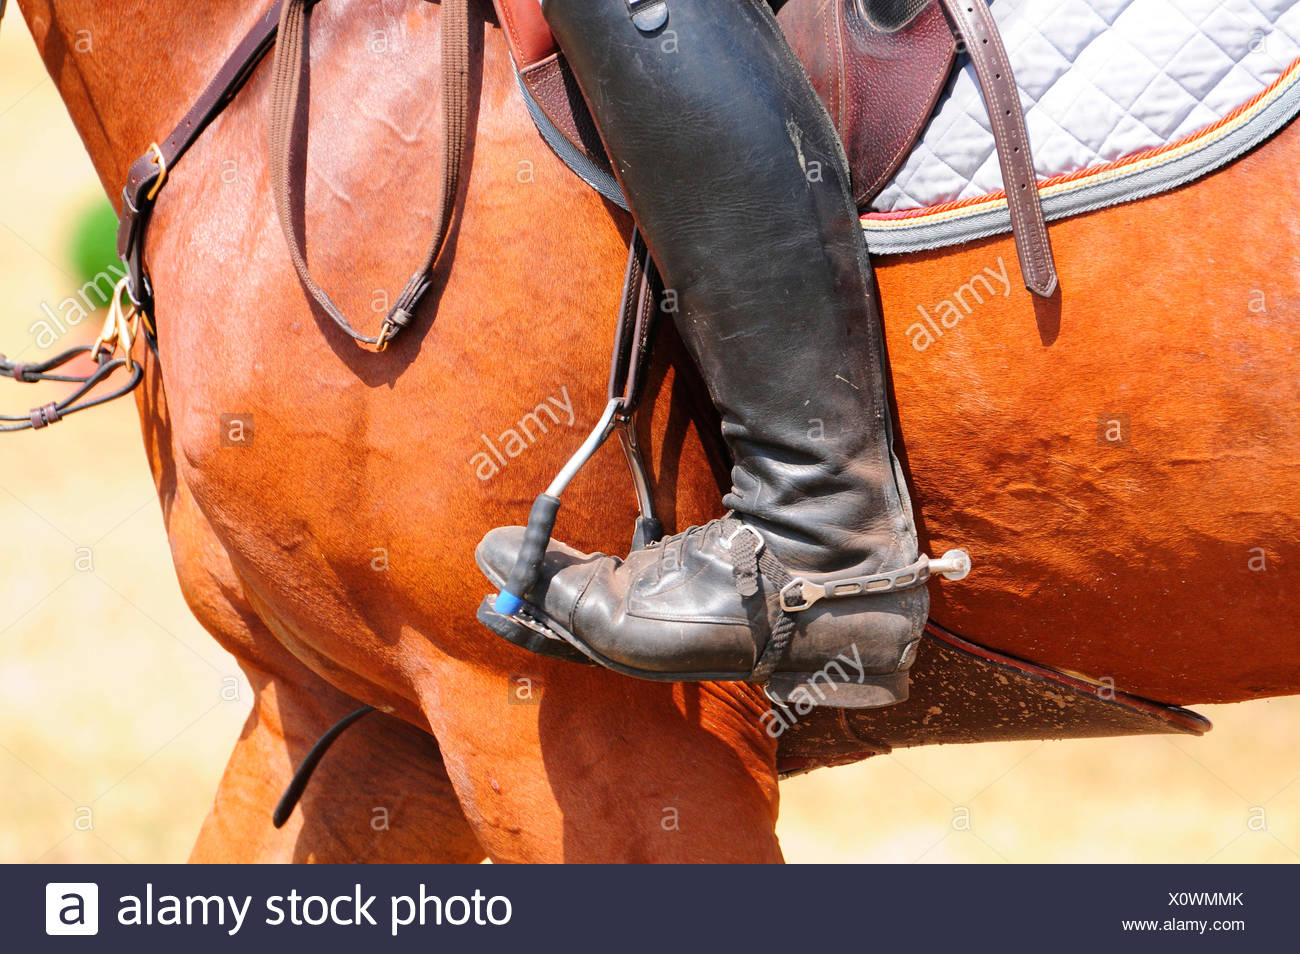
79, 400
144, 178
147, 174
290, 68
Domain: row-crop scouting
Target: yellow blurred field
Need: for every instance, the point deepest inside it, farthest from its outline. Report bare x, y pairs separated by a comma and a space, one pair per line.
117, 711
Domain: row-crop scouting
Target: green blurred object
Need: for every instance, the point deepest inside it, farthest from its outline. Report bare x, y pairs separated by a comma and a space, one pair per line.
93, 249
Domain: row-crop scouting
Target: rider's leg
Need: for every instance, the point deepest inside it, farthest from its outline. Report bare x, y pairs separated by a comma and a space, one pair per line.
735, 175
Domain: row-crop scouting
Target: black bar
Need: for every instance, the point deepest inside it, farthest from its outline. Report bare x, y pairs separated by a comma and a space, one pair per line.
500, 908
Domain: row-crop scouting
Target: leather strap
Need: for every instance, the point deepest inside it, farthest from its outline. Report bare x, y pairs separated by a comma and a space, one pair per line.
527, 34
86, 384
974, 24
290, 67
302, 775
781, 631
147, 173
636, 317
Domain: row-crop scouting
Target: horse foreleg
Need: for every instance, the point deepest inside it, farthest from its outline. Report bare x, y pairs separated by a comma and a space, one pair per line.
380, 794
561, 762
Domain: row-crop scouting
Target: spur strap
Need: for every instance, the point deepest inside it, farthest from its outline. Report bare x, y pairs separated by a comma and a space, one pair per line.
752, 563
975, 27
290, 68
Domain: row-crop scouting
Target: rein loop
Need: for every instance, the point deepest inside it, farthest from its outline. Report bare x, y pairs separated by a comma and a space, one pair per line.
286, 99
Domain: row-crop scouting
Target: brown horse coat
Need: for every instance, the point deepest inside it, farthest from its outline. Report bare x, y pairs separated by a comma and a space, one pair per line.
322, 503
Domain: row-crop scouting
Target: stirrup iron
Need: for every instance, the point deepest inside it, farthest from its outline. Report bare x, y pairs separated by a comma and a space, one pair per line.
626, 374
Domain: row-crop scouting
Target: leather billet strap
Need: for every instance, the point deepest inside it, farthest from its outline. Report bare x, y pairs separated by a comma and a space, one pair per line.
527, 33
974, 25
636, 319
147, 174
290, 67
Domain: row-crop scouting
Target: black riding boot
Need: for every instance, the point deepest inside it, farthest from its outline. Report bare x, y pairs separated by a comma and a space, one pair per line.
739, 184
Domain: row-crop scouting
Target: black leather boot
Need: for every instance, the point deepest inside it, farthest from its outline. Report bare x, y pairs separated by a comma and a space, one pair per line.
733, 171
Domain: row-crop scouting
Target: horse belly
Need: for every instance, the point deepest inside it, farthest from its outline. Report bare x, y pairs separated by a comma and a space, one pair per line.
350, 488
1119, 460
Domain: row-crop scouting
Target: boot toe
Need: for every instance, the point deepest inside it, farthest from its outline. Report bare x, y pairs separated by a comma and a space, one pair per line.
564, 570
496, 552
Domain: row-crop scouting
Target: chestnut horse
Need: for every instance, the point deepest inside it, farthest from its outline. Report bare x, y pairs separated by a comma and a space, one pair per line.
330, 548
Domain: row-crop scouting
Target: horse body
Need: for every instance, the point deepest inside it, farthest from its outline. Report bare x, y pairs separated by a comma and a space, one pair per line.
1119, 459
326, 501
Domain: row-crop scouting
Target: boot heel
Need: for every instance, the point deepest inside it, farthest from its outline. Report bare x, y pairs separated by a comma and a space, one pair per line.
819, 689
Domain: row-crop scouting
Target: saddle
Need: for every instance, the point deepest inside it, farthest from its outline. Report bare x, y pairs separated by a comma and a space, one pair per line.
879, 66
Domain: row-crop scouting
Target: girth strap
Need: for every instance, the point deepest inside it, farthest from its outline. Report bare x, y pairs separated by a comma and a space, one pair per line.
290, 66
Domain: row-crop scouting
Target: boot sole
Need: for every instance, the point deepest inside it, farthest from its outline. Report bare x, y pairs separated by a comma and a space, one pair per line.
512, 630
783, 688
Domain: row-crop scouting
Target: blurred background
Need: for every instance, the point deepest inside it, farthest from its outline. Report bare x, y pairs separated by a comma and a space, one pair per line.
117, 711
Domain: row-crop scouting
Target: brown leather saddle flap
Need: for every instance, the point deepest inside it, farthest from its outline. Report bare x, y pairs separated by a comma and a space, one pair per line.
880, 82
962, 692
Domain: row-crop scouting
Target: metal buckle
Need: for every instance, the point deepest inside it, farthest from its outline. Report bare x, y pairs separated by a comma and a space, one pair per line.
161, 163
119, 329
385, 336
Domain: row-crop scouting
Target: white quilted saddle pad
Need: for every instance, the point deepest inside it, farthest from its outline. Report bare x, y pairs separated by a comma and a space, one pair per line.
1122, 99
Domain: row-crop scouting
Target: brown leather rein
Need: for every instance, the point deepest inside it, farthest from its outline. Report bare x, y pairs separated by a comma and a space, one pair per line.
147, 175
